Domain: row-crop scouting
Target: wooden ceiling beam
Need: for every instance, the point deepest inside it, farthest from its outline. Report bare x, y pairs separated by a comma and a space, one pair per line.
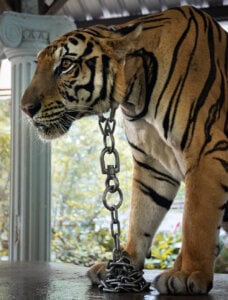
220, 13
42, 7
55, 7
4, 6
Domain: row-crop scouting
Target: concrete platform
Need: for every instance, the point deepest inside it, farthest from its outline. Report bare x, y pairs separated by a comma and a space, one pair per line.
56, 281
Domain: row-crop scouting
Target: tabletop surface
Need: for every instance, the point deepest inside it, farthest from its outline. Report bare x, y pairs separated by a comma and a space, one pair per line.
59, 281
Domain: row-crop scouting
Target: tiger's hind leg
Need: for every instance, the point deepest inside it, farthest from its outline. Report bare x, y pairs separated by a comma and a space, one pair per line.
204, 209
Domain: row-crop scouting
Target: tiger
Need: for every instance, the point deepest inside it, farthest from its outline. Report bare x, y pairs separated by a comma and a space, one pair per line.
167, 73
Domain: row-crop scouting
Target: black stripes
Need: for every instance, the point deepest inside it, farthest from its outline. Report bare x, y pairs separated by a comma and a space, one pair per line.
180, 9
219, 146
89, 86
170, 116
80, 36
126, 29
225, 188
158, 174
177, 48
213, 116
223, 206
88, 49
226, 125
150, 68
202, 16
168, 121
148, 235
158, 199
105, 73
197, 106
73, 41
223, 162
136, 147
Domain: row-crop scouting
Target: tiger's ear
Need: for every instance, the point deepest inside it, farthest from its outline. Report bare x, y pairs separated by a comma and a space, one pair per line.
125, 44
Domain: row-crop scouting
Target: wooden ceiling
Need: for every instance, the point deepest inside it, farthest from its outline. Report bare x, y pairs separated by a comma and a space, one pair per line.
88, 12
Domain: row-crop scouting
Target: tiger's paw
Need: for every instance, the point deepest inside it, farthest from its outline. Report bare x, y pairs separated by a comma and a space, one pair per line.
179, 282
97, 273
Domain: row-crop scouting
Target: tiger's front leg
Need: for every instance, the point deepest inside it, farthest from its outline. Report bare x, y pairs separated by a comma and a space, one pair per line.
152, 193
204, 209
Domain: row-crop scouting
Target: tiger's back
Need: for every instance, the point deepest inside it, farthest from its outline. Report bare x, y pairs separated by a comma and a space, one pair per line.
185, 70
168, 72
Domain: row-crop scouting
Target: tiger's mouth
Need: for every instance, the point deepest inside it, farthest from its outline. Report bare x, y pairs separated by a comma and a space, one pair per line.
49, 131
54, 126
52, 132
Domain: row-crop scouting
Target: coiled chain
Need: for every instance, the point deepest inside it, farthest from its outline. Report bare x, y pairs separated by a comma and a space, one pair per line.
121, 275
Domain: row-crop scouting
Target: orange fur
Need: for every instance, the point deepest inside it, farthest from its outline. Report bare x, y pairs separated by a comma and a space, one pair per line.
168, 72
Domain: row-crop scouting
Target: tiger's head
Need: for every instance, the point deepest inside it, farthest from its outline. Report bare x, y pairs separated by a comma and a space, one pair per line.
79, 74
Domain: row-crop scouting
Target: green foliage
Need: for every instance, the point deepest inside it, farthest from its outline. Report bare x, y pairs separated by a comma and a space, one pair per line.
166, 246
80, 223
82, 248
221, 265
5, 176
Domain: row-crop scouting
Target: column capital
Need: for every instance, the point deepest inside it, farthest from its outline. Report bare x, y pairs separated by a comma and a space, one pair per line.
31, 32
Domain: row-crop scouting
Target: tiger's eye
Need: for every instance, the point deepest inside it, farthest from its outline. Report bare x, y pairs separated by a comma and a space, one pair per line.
66, 63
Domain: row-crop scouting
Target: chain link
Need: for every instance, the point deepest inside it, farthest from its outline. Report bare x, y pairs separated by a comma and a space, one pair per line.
112, 189
121, 275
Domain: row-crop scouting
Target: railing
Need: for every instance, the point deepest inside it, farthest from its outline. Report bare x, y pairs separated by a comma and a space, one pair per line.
5, 93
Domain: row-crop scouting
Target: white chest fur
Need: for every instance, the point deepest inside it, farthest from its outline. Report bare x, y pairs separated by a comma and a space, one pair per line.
147, 138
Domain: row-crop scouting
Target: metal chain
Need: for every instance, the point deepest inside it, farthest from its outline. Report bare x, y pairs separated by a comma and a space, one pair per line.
121, 275
107, 127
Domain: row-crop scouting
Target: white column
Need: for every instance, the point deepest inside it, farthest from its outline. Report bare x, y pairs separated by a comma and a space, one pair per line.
23, 35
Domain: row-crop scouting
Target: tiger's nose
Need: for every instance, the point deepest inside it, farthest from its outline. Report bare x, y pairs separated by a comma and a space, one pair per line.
31, 109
